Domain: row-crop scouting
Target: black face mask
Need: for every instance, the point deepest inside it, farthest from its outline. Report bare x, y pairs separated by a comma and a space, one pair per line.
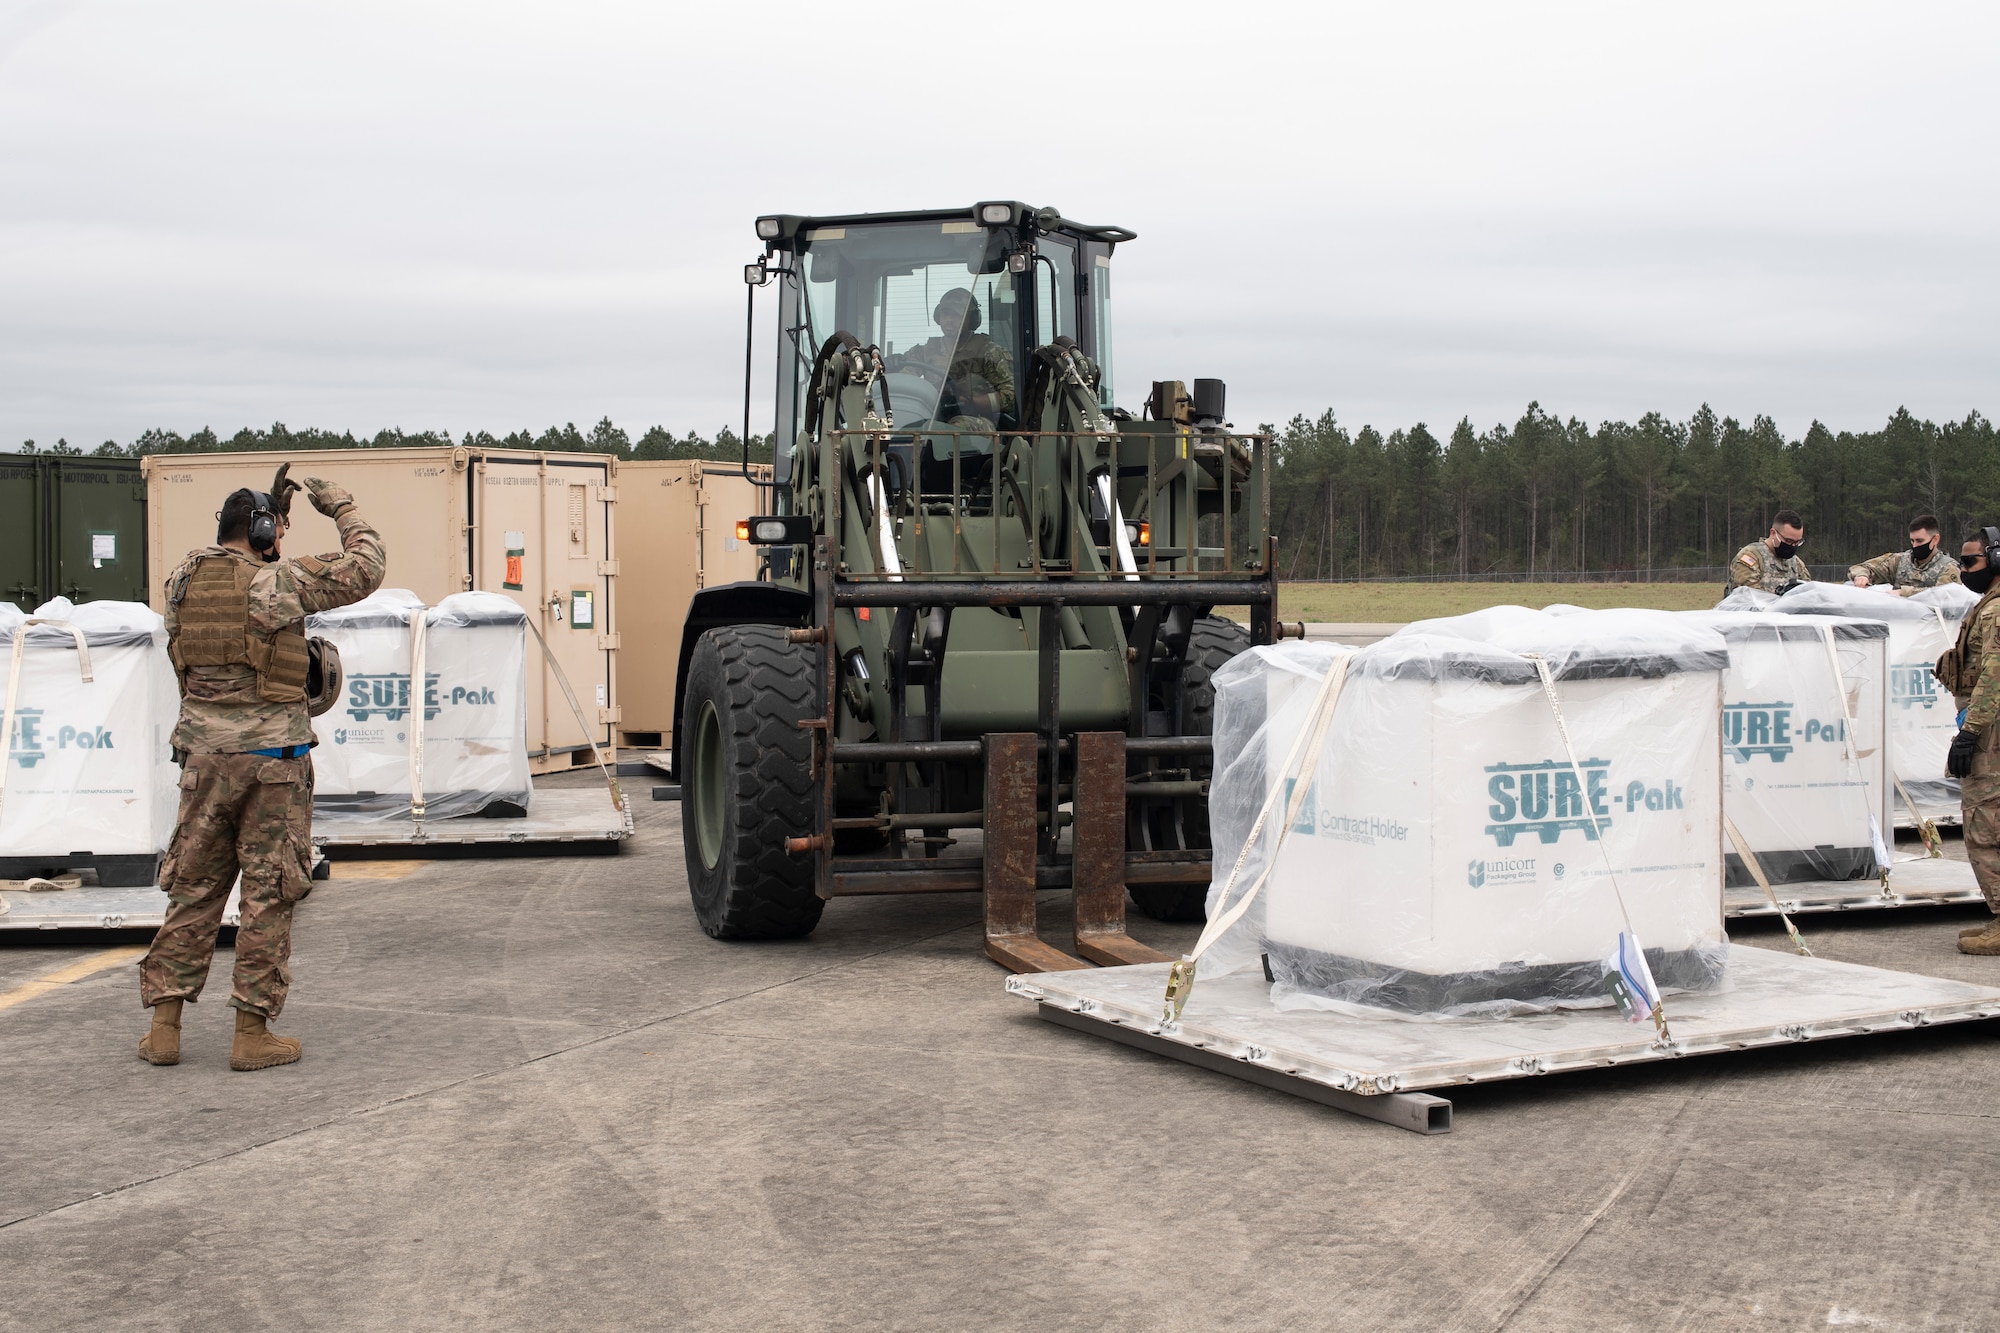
1977, 580
1923, 552
1786, 550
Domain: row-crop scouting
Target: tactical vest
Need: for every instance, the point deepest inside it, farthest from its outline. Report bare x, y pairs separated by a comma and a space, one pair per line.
213, 629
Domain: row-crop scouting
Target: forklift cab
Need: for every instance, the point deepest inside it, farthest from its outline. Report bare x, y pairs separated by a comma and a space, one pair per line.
955, 300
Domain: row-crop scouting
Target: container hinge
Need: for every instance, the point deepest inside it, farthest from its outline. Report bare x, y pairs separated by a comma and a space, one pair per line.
607, 569
608, 494
613, 714
608, 642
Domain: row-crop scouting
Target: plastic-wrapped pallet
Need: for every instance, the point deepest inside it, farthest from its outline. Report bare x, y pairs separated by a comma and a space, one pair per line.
472, 708
1805, 774
89, 771
1447, 859
1922, 626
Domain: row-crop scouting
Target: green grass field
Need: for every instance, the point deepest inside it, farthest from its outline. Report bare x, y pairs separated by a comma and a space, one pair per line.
1403, 602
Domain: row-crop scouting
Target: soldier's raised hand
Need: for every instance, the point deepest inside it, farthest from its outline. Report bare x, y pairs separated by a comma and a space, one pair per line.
328, 498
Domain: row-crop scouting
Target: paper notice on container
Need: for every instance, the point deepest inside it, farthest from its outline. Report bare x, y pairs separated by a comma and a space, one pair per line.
103, 549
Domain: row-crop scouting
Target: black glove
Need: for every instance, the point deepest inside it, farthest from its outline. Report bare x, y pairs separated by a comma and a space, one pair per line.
1958, 762
281, 491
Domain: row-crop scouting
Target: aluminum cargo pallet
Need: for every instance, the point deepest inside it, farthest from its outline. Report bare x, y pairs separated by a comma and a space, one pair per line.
1920, 882
583, 815
93, 908
1379, 1067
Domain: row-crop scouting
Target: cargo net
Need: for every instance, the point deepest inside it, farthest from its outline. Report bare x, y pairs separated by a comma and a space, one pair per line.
1456, 855
443, 722
88, 703
1922, 716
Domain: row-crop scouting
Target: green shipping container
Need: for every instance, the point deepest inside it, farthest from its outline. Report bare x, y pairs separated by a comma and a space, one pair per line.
71, 527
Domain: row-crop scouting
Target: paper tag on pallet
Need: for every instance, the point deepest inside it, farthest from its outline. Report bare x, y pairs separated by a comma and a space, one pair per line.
1630, 980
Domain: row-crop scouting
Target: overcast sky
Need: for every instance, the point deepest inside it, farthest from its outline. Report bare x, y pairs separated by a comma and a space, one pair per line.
488, 216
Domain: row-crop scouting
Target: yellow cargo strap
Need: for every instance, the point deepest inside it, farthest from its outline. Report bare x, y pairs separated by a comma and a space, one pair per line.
1926, 828
1662, 1035
1763, 881
419, 714
14, 687
1852, 755
617, 794
1180, 977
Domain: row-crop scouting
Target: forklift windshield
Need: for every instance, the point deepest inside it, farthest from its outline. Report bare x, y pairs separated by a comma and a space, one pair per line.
939, 302
955, 324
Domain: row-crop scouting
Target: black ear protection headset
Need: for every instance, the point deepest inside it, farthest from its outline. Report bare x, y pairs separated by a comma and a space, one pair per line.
267, 510
263, 533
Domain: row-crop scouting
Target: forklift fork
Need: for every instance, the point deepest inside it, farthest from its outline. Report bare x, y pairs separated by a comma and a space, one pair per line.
1097, 845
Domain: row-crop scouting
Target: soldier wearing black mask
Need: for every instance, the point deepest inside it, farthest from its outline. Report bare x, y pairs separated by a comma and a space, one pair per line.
1924, 565
1773, 564
1972, 673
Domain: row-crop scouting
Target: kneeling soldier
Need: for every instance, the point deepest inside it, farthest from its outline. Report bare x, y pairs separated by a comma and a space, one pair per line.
236, 632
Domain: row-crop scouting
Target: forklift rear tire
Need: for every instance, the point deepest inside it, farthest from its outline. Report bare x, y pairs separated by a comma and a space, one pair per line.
748, 784
1213, 642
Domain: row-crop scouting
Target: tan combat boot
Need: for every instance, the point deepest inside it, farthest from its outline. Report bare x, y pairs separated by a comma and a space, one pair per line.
162, 1043
256, 1048
1986, 941
1979, 929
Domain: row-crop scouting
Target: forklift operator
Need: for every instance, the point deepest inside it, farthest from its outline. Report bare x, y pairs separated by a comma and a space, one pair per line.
975, 373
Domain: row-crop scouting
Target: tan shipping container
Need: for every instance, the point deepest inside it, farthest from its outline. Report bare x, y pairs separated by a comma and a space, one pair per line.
677, 535
536, 527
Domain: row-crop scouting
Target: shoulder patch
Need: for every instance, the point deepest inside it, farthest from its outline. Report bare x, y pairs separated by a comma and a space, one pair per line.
1748, 559
315, 564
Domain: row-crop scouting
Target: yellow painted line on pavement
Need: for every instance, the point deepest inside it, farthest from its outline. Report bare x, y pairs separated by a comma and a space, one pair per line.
375, 869
62, 976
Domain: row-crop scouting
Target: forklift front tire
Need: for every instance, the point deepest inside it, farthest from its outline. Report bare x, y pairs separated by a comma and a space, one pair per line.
747, 784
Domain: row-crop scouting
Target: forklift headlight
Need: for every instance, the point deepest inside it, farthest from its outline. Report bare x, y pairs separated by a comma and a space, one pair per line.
1018, 261
756, 274
996, 215
769, 229
1139, 534
775, 530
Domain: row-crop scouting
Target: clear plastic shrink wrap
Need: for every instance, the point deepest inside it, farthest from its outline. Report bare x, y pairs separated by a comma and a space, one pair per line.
1446, 861
90, 766
473, 714
1922, 718
1808, 792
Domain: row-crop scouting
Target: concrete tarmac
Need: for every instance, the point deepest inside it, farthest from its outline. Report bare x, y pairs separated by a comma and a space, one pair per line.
534, 1095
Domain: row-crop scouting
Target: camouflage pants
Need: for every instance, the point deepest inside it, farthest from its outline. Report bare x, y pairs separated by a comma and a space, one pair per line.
1981, 806
246, 812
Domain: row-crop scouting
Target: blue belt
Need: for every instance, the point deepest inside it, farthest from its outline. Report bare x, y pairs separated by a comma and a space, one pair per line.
282, 751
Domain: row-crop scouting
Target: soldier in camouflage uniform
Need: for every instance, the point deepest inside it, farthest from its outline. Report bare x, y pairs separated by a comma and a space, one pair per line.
1971, 671
1773, 564
978, 371
236, 632
1924, 565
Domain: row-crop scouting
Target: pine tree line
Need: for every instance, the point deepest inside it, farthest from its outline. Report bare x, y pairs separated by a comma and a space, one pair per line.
1554, 498
1543, 497
603, 438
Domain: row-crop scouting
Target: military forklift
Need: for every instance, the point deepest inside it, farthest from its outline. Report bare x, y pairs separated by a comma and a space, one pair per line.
978, 653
